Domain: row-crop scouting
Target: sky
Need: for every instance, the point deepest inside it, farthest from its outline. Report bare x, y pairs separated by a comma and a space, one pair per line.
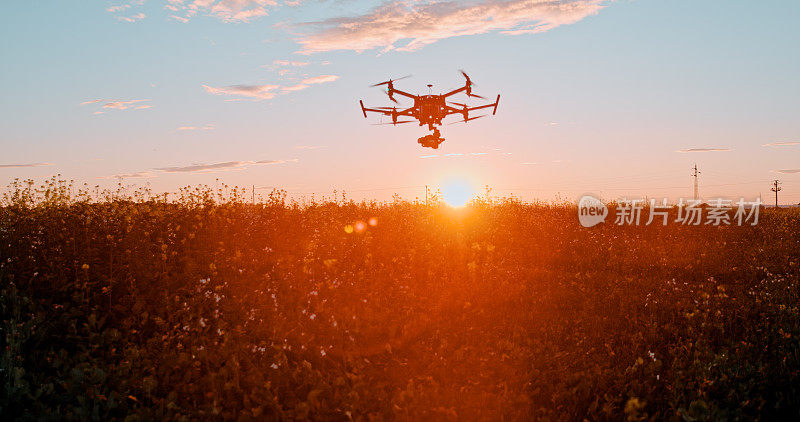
615, 98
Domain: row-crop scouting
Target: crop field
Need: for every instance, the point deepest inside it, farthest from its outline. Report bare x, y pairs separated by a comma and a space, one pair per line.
203, 305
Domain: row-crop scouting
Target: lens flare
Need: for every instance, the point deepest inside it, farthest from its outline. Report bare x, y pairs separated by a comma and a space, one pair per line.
360, 226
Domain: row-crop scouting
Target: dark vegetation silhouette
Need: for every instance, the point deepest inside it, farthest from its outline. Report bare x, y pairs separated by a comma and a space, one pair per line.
200, 305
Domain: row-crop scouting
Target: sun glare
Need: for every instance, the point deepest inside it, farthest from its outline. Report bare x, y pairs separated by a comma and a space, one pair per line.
457, 193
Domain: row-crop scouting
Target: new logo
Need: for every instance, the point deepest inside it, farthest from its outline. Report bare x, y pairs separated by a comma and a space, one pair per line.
591, 211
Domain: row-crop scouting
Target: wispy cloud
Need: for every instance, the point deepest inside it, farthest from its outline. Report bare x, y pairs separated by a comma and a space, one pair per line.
203, 167
118, 8
309, 147
189, 128
136, 175
294, 160
256, 92
787, 171
291, 63
132, 18
455, 154
703, 150
119, 104
227, 165
410, 25
322, 79
295, 88
8, 166
266, 92
780, 144
226, 10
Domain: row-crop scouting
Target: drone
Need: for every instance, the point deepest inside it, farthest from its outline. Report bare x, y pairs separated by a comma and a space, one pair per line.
429, 109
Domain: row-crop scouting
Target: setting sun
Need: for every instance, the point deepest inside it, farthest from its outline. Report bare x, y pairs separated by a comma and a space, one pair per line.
457, 193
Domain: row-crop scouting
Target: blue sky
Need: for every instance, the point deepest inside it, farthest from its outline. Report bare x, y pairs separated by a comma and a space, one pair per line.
597, 96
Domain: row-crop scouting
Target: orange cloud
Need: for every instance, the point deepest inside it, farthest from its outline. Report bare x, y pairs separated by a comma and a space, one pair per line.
417, 24
136, 175
703, 150
124, 105
322, 79
227, 165
8, 166
206, 127
290, 63
256, 92
132, 18
781, 144
118, 104
226, 10
267, 92
294, 88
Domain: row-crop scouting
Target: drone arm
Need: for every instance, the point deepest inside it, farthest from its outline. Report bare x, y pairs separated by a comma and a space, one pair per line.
492, 105
456, 91
453, 110
407, 112
374, 110
403, 93
480, 107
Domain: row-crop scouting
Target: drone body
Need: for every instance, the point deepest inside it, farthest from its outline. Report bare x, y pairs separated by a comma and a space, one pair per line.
429, 109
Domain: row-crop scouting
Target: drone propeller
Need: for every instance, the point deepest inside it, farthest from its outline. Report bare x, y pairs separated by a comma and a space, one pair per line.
466, 120
469, 81
459, 104
390, 81
470, 85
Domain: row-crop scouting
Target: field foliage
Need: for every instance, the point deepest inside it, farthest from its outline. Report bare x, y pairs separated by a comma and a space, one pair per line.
203, 305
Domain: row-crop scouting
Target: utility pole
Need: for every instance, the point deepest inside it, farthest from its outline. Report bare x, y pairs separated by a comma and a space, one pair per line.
776, 189
254, 194
426, 194
694, 174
